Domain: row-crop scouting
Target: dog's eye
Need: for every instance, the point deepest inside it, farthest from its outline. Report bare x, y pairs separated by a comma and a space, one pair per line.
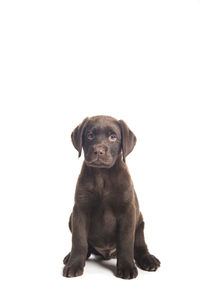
90, 136
112, 137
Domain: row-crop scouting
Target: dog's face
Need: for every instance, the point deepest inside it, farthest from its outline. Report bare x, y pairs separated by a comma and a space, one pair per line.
101, 142
103, 139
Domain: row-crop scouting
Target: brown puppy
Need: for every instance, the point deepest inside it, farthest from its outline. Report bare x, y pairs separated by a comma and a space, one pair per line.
106, 219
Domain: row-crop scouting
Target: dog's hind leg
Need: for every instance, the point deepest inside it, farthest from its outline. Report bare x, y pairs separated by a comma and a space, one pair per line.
143, 258
65, 260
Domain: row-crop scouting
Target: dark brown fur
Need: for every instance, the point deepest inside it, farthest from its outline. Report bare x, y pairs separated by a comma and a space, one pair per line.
106, 219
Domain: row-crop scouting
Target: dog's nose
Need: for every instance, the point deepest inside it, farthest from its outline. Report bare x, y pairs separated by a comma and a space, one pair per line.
99, 150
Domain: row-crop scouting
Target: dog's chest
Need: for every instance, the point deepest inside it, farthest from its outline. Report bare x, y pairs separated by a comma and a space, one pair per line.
103, 224
105, 188
103, 217
99, 184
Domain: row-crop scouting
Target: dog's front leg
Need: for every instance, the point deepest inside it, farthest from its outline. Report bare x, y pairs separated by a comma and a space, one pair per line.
126, 268
78, 254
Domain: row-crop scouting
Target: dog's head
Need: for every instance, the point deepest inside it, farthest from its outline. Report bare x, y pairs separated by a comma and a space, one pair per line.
103, 138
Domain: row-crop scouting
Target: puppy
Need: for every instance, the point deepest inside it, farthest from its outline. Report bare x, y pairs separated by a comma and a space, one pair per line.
106, 219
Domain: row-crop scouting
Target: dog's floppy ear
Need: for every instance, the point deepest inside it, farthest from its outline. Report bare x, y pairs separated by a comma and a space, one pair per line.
77, 136
128, 139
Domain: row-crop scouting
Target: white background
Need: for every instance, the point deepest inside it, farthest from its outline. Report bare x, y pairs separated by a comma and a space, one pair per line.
60, 62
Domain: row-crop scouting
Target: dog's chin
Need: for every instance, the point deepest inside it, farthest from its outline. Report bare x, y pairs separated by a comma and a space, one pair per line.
99, 164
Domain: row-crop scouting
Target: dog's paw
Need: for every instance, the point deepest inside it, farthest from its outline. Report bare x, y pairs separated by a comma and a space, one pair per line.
65, 260
127, 271
72, 270
148, 262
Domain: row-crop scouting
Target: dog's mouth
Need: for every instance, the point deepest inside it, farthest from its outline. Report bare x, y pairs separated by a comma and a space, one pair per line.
98, 163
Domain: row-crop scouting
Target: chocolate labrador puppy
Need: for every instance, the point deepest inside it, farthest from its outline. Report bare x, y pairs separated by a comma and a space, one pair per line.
106, 219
